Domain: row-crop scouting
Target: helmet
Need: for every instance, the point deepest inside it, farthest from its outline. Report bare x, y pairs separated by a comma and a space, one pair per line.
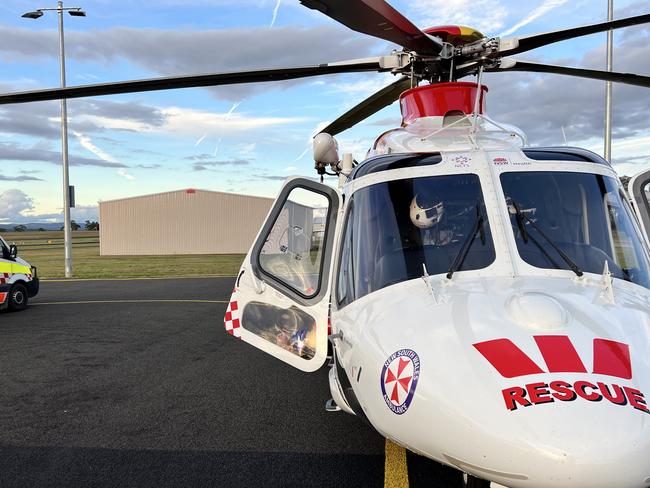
426, 211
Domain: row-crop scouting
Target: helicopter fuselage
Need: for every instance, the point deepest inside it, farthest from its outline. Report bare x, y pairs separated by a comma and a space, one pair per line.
523, 375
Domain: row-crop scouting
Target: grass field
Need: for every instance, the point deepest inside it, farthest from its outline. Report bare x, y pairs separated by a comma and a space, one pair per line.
45, 251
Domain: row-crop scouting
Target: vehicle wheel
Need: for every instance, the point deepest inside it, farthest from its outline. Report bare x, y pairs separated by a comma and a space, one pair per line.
472, 482
18, 297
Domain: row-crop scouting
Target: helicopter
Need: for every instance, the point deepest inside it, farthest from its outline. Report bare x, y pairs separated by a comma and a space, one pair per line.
482, 302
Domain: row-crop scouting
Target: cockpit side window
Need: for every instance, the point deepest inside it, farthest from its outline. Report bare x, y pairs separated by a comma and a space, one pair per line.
345, 279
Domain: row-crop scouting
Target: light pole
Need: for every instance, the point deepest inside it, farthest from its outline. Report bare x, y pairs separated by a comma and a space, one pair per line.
608, 86
67, 234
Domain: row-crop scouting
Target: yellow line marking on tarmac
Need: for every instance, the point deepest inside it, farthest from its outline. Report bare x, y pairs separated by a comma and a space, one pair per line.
72, 280
396, 473
84, 302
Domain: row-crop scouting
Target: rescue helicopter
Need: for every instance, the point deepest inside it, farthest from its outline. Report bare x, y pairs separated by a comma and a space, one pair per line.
487, 303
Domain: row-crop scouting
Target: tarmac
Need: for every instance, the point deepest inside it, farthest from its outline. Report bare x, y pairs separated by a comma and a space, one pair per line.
120, 383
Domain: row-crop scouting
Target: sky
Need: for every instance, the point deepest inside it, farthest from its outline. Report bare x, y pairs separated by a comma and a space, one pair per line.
249, 138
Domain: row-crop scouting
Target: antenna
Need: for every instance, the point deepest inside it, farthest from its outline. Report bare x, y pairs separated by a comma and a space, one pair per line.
477, 100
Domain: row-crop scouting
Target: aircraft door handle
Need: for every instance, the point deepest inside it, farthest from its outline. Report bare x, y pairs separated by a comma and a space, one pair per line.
258, 285
338, 335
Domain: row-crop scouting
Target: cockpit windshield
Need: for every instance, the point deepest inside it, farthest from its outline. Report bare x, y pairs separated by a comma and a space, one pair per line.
584, 215
396, 229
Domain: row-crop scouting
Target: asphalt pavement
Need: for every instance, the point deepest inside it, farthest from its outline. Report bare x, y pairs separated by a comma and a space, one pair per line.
134, 383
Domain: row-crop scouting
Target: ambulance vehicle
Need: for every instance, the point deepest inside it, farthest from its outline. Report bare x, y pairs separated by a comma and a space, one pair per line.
18, 279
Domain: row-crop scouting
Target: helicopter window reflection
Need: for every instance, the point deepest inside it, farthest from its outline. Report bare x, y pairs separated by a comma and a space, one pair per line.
585, 215
293, 250
398, 226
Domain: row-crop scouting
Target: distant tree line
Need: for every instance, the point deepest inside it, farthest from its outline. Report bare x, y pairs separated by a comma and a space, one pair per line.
87, 225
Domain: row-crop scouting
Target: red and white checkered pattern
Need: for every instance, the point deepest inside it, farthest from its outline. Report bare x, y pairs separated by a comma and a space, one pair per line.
231, 320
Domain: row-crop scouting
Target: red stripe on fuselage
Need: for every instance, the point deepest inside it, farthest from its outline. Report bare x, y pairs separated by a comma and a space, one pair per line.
507, 358
559, 354
612, 358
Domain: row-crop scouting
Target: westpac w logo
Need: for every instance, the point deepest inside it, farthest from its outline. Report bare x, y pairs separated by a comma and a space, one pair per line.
611, 358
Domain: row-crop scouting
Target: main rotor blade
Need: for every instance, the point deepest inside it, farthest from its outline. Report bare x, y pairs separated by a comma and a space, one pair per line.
518, 45
371, 105
627, 78
377, 18
205, 80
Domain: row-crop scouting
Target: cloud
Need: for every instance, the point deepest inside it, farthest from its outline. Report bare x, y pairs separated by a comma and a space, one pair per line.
200, 140
387, 122
18, 207
182, 121
20, 178
275, 12
542, 9
542, 104
42, 119
180, 52
247, 151
87, 144
13, 203
148, 166
133, 111
124, 174
81, 213
485, 15
14, 152
206, 162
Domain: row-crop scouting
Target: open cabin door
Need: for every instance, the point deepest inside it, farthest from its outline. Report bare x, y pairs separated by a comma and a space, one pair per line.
639, 189
280, 303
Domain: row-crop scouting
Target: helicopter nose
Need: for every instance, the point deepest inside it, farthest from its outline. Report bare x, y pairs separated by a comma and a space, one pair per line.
540, 392
594, 449
560, 445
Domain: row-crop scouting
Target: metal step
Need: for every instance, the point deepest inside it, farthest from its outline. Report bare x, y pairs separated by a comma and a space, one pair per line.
330, 406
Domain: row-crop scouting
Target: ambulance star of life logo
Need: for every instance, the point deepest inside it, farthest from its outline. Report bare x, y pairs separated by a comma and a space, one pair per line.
399, 378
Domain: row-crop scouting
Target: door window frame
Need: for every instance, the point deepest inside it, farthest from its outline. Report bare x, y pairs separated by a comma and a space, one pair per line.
640, 202
328, 241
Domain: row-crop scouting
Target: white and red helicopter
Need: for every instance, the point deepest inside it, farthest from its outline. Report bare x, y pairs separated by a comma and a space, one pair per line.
487, 302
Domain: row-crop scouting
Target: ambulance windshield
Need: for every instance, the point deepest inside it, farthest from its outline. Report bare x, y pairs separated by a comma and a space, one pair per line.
585, 215
395, 227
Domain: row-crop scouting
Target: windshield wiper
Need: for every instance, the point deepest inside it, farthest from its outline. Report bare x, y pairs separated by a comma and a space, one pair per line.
462, 254
521, 223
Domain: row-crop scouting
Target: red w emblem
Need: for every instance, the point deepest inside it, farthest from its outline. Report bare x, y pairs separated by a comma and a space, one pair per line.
610, 357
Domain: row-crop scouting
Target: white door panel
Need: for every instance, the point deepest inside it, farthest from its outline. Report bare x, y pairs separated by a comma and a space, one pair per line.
280, 302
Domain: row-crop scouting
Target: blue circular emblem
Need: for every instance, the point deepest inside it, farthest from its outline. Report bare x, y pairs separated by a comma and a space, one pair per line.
399, 378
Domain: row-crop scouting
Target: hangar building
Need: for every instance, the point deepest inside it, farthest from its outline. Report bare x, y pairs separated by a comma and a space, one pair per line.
181, 222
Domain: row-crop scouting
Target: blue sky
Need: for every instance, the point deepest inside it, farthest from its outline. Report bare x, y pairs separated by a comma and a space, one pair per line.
248, 138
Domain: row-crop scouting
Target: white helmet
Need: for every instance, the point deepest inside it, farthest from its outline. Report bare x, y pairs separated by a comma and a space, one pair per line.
426, 212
